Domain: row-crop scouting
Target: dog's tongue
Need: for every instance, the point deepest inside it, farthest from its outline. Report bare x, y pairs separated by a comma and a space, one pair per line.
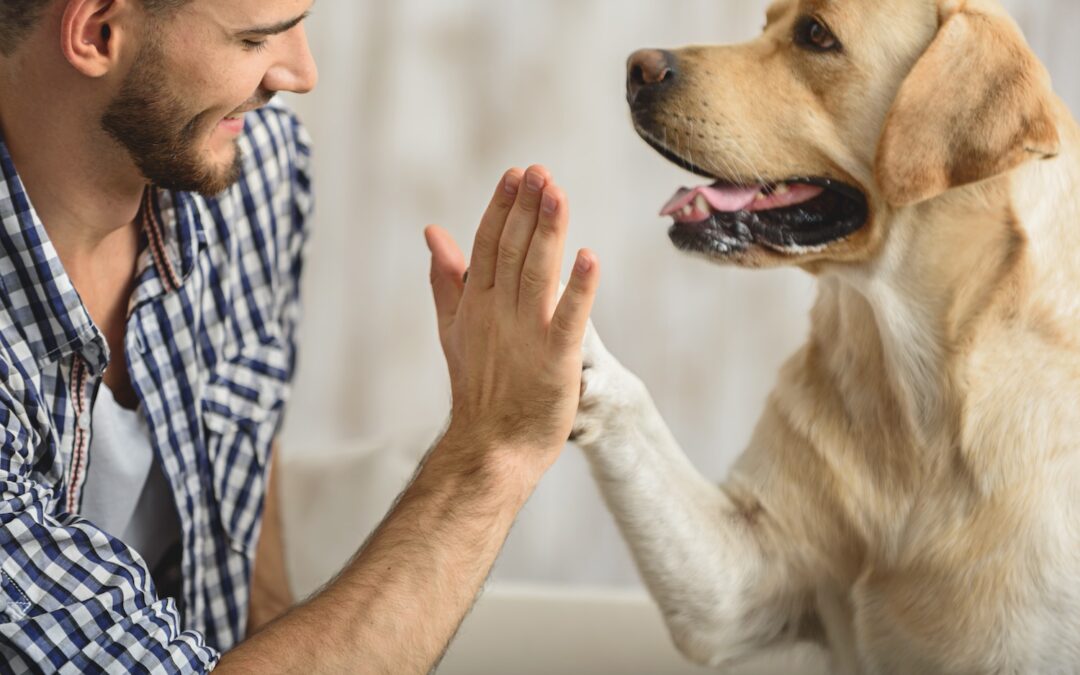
718, 197
694, 205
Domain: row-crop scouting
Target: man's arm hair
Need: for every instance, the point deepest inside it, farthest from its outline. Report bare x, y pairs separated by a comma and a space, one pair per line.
399, 602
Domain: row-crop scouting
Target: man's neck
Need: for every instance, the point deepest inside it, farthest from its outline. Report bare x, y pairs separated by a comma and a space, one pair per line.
83, 187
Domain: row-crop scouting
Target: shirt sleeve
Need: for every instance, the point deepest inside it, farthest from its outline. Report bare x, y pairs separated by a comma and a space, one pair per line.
73, 599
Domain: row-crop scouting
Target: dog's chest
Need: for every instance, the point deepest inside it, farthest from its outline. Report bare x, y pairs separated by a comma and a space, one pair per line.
972, 590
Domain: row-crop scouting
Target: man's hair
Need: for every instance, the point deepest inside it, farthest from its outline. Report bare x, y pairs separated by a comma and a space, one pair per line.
17, 17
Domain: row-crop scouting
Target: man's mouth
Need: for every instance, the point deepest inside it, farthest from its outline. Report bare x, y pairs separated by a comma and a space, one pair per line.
233, 125
238, 115
234, 121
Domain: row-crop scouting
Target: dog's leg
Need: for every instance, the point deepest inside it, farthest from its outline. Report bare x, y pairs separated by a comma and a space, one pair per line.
706, 554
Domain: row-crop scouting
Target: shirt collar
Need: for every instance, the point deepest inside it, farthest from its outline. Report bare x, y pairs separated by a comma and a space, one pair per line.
173, 236
37, 292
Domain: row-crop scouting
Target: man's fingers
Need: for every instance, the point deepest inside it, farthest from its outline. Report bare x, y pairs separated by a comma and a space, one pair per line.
572, 314
518, 234
540, 274
486, 247
447, 273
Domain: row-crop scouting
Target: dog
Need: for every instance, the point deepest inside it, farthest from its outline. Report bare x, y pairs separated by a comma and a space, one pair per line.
910, 499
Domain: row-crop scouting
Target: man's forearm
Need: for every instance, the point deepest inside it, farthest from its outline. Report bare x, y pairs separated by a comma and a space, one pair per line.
513, 352
396, 606
270, 593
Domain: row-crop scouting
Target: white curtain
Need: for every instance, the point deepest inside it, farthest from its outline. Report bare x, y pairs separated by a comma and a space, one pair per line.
421, 106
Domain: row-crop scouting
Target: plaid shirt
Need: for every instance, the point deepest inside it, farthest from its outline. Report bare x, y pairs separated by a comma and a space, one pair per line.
210, 347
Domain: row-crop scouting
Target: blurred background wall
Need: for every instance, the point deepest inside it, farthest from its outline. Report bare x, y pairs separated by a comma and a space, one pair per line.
421, 107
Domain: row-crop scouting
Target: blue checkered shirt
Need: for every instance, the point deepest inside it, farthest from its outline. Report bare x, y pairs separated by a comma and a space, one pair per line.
211, 351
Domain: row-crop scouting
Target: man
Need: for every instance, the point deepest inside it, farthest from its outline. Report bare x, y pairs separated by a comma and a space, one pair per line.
153, 212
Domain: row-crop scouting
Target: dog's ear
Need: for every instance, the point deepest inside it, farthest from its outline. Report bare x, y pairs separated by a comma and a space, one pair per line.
977, 104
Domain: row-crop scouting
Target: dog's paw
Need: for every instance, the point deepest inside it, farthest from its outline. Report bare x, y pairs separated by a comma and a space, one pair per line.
609, 393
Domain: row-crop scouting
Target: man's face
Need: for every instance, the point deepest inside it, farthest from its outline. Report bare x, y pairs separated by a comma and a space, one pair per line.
180, 109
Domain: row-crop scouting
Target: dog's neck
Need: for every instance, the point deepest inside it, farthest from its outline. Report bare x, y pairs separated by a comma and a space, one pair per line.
952, 271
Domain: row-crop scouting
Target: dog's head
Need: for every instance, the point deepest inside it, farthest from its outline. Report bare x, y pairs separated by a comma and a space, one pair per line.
841, 113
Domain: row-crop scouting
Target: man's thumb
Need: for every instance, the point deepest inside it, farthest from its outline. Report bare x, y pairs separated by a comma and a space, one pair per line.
447, 272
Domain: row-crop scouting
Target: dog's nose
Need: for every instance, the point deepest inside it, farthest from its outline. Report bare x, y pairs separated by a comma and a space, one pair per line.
648, 68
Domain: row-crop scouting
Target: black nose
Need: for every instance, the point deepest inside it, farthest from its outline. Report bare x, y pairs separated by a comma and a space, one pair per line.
648, 70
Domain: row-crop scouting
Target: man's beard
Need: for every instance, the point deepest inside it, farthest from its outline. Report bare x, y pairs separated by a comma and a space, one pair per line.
151, 123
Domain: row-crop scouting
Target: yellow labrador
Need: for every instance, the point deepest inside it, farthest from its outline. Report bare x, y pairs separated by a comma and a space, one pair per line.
910, 500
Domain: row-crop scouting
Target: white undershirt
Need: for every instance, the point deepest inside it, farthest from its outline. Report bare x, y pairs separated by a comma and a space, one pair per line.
126, 493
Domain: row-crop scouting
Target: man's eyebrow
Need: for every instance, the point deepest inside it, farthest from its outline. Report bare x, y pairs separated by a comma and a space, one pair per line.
275, 29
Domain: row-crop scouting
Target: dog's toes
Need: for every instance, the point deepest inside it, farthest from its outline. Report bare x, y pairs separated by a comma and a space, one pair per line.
579, 432
589, 376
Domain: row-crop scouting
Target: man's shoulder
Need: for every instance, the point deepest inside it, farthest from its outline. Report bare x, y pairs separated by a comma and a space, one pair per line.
17, 369
275, 133
18, 363
272, 197
265, 215
275, 157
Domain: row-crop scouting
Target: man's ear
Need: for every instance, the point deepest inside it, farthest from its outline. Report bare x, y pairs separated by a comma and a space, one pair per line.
977, 104
87, 36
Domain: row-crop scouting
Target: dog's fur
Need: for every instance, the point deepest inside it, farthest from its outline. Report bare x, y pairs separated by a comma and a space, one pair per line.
910, 500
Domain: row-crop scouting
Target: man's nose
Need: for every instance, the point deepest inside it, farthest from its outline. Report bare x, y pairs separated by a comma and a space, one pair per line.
649, 70
296, 72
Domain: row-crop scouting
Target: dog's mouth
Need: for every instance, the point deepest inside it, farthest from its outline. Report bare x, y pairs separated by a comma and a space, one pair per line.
792, 216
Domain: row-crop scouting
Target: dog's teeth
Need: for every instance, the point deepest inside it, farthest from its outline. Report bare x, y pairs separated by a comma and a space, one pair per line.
688, 210
761, 196
782, 189
702, 204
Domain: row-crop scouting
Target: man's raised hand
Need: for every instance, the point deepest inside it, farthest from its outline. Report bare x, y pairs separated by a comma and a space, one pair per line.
512, 345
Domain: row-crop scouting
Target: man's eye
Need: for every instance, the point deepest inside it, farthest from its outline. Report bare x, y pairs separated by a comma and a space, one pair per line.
812, 34
254, 45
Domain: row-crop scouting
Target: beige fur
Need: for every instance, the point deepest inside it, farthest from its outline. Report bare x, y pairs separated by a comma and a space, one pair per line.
911, 498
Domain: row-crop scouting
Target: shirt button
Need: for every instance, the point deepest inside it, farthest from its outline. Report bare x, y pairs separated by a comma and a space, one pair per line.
140, 344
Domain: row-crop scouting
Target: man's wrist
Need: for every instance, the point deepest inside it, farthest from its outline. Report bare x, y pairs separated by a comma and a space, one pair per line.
499, 467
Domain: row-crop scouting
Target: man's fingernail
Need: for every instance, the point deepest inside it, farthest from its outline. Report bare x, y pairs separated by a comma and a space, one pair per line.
584, 265
534, 181
512, 183
550, 204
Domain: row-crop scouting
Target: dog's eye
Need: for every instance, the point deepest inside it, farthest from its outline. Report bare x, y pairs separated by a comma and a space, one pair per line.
812, 34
